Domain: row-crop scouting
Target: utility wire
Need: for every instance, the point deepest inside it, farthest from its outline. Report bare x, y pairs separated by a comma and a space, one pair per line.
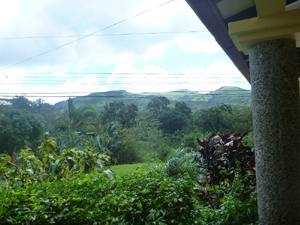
76, 96
117, 83
110, 73
103, 95
103, 35
88, 35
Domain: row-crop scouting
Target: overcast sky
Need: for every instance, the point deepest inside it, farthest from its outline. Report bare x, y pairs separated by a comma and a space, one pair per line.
152, 52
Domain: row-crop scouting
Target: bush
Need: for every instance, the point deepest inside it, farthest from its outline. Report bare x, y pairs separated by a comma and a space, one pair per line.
181, 163
229, 193
94, 199
27, 168
235, 207
225, 154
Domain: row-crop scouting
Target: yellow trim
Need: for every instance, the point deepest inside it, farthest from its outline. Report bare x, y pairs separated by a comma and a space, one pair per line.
269, 7
247, 32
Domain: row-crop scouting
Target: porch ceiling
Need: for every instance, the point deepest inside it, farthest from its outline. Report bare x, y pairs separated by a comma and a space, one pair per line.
216, 14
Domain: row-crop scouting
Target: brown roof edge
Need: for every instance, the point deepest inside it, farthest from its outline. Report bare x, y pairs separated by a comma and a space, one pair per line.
211, 18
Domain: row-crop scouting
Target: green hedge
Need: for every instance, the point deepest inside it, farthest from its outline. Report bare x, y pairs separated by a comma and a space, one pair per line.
94, 199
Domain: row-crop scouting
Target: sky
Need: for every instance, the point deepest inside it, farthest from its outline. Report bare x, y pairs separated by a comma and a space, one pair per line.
54, 49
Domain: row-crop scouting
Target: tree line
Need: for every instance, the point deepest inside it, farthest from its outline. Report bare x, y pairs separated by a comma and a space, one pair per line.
119, 129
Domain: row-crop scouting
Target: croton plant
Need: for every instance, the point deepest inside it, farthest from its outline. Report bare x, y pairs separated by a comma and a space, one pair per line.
223, 157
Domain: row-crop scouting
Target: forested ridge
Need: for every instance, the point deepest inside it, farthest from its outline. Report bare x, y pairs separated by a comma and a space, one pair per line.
193, 99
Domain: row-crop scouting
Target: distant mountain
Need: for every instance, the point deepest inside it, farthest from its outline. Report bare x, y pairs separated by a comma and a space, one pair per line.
193, 99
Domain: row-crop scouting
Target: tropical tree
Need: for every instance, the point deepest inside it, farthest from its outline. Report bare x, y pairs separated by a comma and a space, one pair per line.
157, 105
118, 111
76, 118
172, 120
213, 119
183, 108
20, 102
17, 126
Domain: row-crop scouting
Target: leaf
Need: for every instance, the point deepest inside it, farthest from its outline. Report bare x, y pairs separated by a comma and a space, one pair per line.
139, 205
4, 158
110, 174
30, 171
56, 165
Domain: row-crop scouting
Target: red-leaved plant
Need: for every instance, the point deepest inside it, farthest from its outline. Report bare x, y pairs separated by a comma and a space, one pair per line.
223, 156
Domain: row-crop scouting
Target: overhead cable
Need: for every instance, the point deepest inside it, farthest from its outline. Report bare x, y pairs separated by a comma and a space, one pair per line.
103, 35
88, 35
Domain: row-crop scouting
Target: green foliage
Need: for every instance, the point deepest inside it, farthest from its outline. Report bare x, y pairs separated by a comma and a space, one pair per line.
189, 140
240, 118
212, 119
157, 105
249, 140
17, 125
172, 120
229, 190
181, 163
36, 107
119, 112
74, 118
183, 108
145, 138
235, 207
20, 102
108, 138
26, 168
93, 199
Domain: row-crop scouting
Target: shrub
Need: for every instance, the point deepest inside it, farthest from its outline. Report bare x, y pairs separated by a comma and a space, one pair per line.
222, 155
93, 199
27, 168
224, 158
181, 163
235, 207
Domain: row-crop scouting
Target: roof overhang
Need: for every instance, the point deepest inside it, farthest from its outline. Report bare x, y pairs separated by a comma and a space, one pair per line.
217, 14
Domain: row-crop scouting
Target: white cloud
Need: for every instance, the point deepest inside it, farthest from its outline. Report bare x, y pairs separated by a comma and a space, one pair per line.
56, 18
8, 11
136, 55
80, 68
156, 52
154, 79
146, 79
79, 87
218, 74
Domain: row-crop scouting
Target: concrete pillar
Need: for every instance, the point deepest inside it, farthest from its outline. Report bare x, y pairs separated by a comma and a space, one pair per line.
275, 99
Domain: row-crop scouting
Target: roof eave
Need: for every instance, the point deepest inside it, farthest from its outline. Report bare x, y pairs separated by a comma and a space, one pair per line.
211, 18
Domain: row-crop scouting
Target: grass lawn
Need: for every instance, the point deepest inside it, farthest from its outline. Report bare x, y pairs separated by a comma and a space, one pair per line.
121, 170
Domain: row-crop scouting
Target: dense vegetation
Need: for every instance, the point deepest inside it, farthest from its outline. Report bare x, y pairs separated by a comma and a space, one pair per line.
55, 164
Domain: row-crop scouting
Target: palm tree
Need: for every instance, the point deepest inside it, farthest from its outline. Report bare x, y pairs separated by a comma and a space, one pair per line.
75, 118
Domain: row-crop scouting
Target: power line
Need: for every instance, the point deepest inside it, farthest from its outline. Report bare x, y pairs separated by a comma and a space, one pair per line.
94, 96
118, 91
102, 35
110, 73
88, 35
116, 83
108, 94
98, 94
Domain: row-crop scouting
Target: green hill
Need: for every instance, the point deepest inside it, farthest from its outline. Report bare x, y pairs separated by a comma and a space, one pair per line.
193, 99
